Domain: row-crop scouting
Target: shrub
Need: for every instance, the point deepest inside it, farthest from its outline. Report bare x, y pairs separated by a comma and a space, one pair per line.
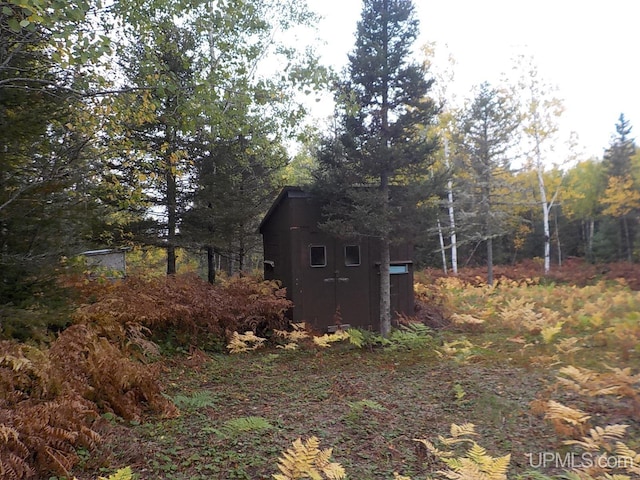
189, 307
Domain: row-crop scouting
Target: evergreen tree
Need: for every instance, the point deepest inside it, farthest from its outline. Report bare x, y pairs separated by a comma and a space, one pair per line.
160, 140
617, 157
487, 130
236, 181
381, 139
622, 196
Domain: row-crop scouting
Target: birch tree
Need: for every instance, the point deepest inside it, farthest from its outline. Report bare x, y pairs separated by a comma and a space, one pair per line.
541, 111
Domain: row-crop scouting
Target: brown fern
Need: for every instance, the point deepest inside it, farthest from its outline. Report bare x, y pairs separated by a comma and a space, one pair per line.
99, 371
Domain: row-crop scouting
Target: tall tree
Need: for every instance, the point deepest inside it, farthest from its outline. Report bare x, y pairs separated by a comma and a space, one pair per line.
622, 195
160, 139
487, 130
224, 104
380, 142
49, 167
541, 111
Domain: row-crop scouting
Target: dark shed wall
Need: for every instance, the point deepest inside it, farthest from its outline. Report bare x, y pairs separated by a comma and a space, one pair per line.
290, 229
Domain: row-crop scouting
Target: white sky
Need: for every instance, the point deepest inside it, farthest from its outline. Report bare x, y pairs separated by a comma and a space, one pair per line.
588, 49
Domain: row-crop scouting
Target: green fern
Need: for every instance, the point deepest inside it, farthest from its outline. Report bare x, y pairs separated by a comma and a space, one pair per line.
356, 337
195, 401
236, 426
412, 336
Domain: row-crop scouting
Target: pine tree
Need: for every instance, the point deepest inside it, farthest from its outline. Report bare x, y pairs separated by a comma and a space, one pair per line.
617, 157
381, 140
622, 196
487, 130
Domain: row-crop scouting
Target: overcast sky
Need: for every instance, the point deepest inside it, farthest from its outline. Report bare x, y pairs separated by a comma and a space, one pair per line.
589, 50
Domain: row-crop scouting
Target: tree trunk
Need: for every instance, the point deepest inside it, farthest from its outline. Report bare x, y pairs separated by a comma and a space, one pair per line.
555, 217
590, 233
452, 218
454, 240
545, 219
211, 265
627, 239
385, 257
385, 289
171, 217
489, 261
442, 251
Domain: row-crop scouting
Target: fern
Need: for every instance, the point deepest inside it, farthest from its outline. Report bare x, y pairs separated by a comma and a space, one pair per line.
475, 464
299, 332
361, 405
568, 346
550, 331
465, 319
326, 340
122, 474
599, 438
245, 342
411, 336
306, 460
397, 476
356, 337
197, 400
572, 416
236, 426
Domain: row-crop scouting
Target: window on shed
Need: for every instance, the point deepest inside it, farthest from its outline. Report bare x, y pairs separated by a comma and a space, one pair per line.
398, 269
352, 255
318, 255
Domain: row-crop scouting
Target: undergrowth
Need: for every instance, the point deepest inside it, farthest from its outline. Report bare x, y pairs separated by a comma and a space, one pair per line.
583, 341
53, 399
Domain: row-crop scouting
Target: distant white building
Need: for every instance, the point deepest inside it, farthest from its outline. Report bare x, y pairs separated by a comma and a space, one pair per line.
109, 261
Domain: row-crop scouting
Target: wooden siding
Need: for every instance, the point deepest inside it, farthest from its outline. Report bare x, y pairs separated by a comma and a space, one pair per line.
290, 229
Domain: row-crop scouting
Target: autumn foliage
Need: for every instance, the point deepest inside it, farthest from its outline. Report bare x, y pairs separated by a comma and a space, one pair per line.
189, 306
52, 399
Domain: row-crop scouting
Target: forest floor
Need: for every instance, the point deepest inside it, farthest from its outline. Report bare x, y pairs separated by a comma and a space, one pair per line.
239, 413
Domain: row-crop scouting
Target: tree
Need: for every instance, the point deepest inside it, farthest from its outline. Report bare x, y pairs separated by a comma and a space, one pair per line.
445, 130
160, 139
541, 111
235, 182
48, 163
379, 158
622, 195
585, 183
220, 114
487, 130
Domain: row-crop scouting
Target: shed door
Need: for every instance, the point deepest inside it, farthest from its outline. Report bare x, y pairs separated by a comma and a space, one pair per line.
336, 279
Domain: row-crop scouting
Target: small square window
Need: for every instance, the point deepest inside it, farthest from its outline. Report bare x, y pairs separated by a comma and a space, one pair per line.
352, 255
318, 255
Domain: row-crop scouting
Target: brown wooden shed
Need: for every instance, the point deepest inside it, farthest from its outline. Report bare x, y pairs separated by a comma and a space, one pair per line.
324, 274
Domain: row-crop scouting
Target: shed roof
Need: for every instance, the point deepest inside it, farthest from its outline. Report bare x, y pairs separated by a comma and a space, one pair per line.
104, 251
286, 192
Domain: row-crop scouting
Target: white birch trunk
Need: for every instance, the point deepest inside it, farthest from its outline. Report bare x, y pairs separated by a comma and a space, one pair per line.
442, 251
452, 218
545, 220
454, 239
